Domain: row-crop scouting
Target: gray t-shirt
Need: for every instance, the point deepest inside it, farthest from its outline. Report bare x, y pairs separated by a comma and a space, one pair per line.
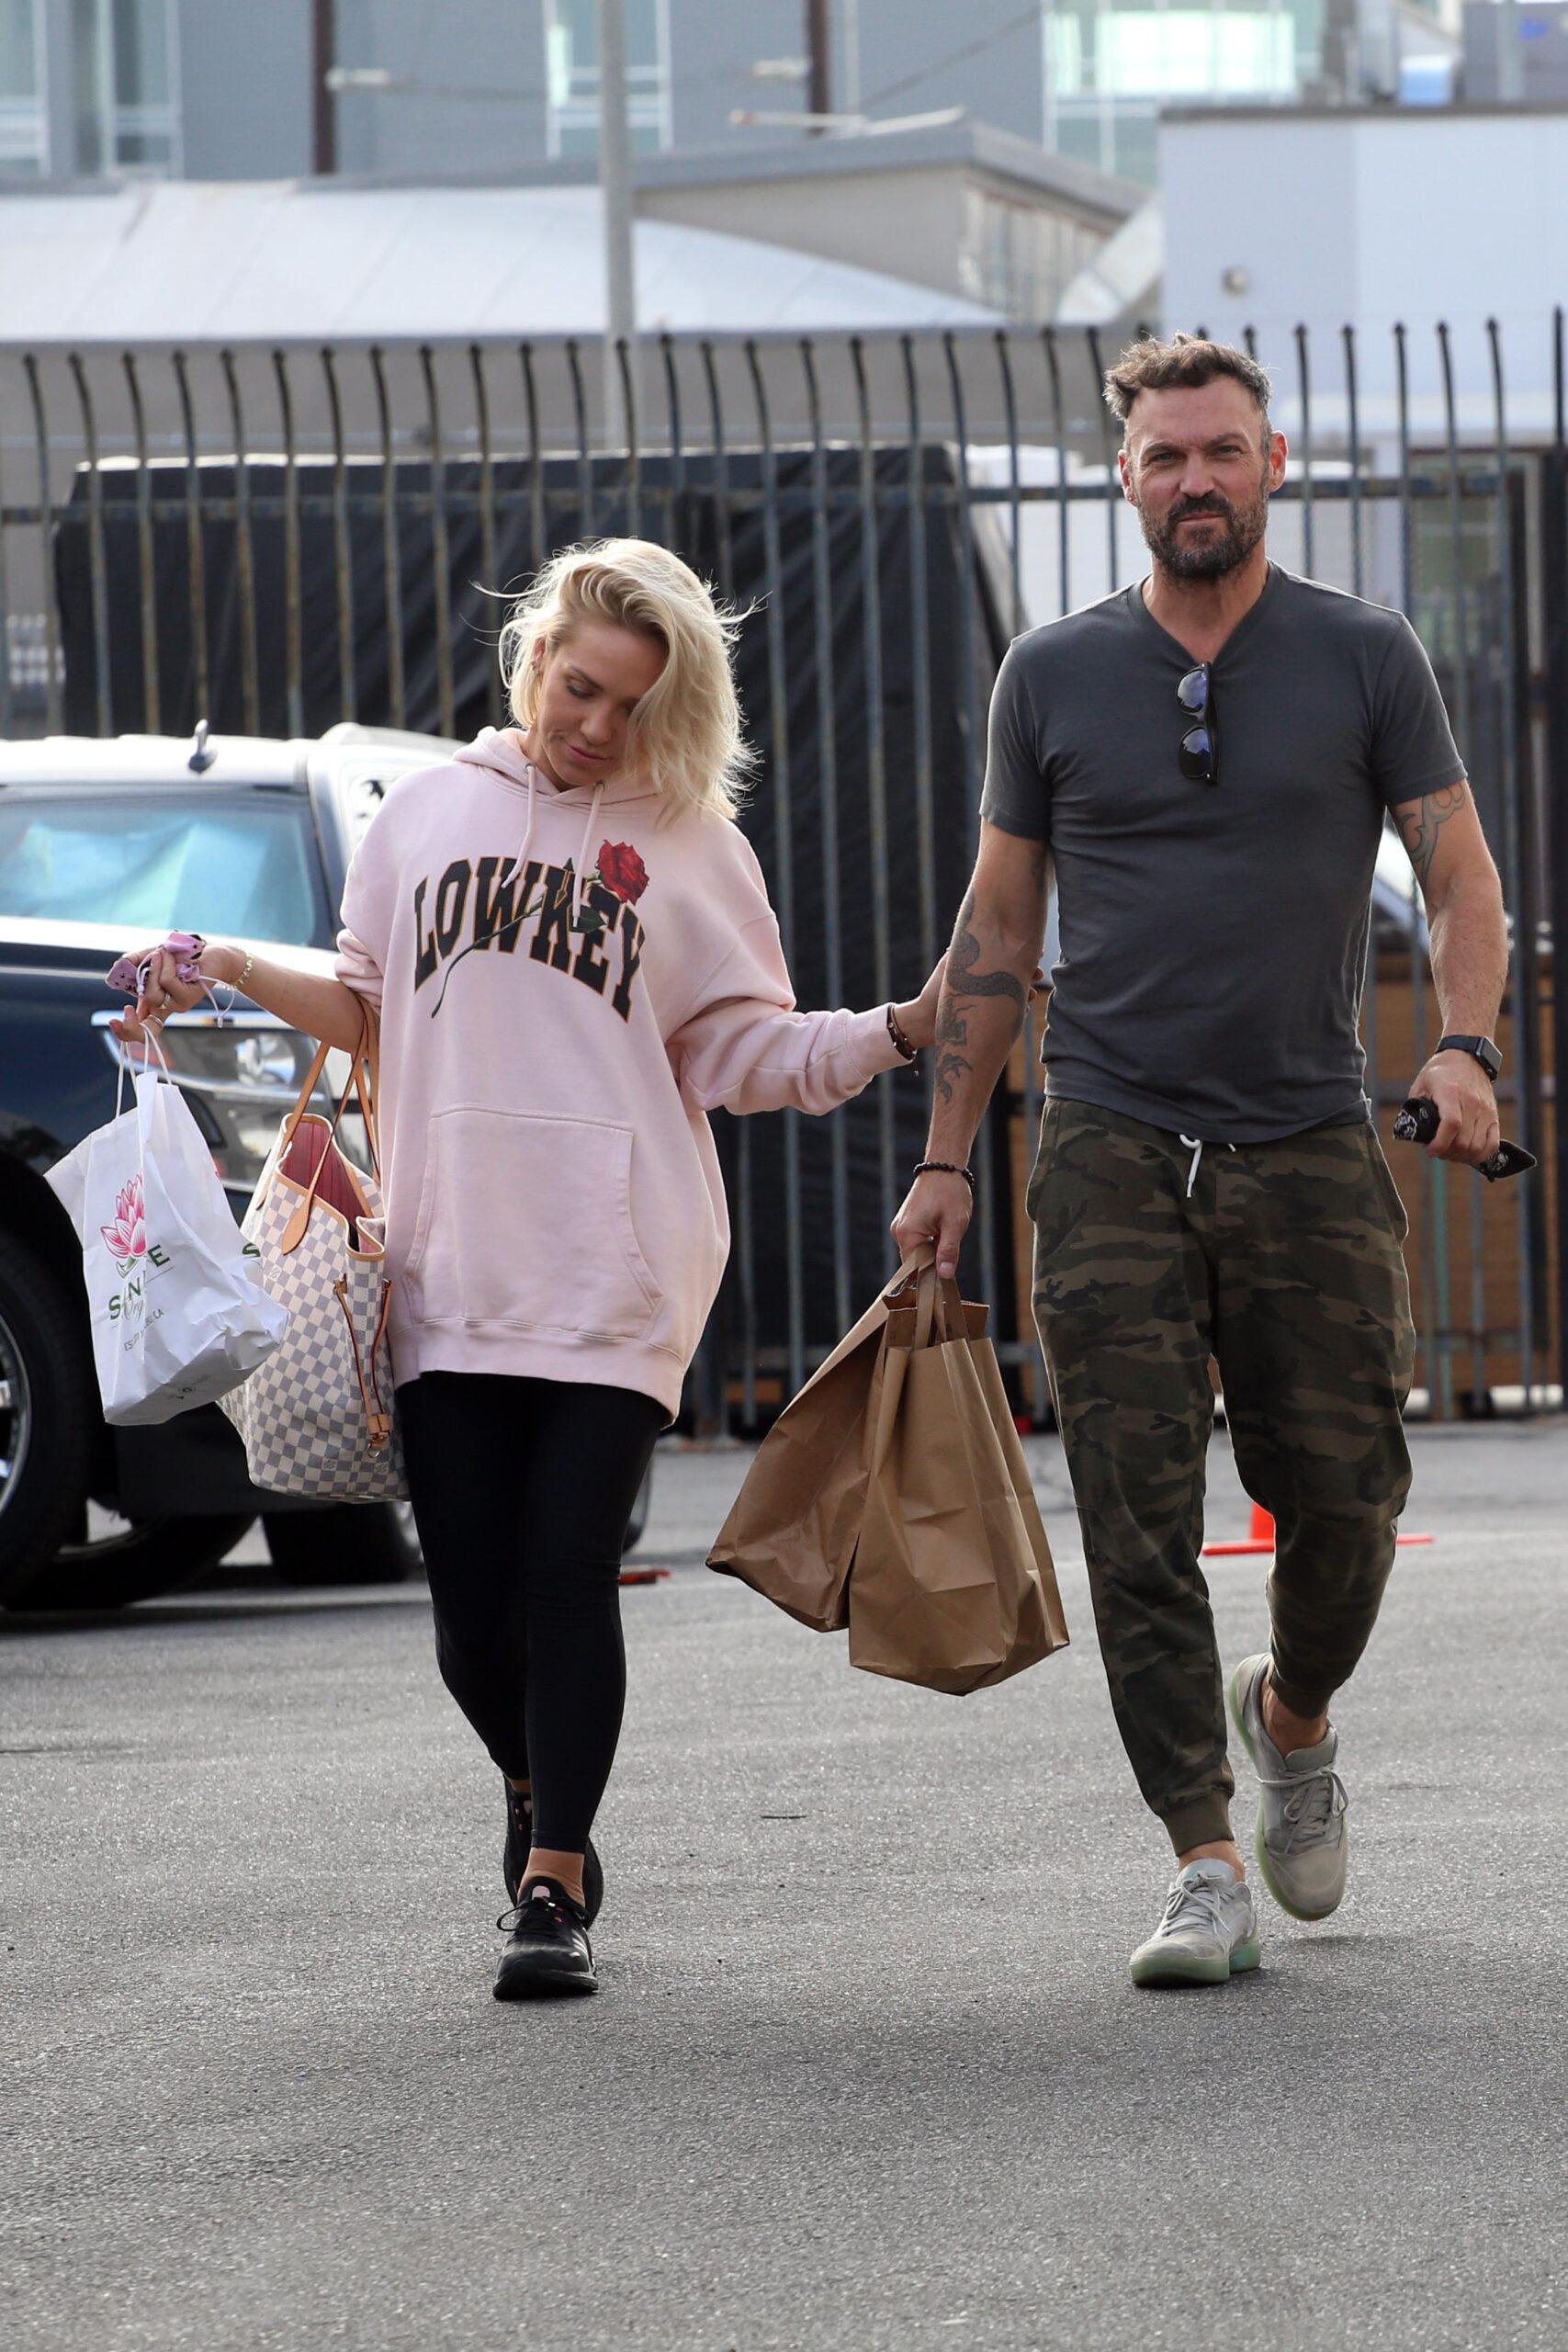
1214, 938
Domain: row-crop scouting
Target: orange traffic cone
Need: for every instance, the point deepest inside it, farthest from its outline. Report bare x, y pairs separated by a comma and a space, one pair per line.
1261, 1537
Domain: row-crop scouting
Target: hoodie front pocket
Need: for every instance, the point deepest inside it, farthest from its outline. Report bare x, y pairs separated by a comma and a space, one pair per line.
528, 1222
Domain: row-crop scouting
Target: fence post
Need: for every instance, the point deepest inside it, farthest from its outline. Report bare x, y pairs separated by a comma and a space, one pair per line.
1554, 608
152, 717
195, 546
784, 840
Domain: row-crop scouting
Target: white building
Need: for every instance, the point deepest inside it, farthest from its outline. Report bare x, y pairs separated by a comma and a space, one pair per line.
1376, 216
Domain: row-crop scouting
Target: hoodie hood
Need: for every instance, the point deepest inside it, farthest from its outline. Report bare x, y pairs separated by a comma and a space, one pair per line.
498, 750
500, 754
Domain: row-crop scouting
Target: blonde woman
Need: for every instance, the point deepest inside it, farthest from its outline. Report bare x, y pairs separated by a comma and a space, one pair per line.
569, 946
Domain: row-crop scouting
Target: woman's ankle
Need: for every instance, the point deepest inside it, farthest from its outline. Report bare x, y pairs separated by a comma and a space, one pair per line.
550, 1861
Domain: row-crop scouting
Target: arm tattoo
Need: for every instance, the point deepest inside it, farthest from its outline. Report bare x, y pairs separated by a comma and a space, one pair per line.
1420, 826
962, 957
963, 980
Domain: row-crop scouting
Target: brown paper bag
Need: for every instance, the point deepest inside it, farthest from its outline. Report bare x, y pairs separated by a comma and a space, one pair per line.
793, 1530
953, 1585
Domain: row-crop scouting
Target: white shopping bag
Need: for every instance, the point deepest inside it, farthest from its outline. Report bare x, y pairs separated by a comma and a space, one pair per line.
177, 1317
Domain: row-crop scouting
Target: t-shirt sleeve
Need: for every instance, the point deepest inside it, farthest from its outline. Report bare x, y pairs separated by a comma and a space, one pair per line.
1414, 750
1016, 795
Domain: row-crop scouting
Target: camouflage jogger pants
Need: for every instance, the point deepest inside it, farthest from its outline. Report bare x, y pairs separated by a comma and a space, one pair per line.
1283, 1261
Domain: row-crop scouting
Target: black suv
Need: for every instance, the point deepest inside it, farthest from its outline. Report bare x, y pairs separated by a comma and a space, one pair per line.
142, 835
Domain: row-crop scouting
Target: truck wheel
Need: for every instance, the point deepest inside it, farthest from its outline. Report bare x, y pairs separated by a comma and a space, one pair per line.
150, 1556
344, 1543
49, 1416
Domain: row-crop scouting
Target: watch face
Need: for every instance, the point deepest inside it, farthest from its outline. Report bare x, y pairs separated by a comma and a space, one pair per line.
1484, 1051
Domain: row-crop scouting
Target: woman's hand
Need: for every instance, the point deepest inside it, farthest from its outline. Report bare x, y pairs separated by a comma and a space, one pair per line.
165, 992
917, 1018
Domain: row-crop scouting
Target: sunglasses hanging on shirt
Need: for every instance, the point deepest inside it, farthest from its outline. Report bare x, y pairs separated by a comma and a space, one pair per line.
1200, 753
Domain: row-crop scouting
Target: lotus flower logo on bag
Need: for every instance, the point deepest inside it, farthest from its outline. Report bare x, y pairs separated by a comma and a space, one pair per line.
126, 1239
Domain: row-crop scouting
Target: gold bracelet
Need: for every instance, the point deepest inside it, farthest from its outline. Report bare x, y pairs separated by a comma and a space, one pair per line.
244, 970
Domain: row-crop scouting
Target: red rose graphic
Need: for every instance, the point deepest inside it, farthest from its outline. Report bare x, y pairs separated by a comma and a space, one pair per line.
623, 871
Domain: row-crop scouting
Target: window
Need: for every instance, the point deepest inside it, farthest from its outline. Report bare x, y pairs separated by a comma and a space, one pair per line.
127, 86
24, 124
143, 858
571, 72
1020, 258
1110, 67
1173, 52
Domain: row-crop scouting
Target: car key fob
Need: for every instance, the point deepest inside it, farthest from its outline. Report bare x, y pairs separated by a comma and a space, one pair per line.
1419, 1122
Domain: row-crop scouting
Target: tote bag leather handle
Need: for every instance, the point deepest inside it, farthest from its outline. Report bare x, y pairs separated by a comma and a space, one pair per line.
364, 1066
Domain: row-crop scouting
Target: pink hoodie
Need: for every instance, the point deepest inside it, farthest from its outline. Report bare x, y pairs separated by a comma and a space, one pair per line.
553, 1203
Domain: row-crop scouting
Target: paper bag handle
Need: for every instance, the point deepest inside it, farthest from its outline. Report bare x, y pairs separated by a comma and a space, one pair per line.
937, 1301
922, 1255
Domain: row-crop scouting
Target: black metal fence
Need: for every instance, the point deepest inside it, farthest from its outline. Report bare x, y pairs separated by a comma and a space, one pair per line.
279, 538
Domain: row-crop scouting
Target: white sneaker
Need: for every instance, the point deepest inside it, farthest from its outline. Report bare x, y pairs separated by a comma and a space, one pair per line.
1209, 1932
1301, 1840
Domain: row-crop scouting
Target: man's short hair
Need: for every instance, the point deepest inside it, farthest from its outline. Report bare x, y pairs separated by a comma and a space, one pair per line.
1183, 363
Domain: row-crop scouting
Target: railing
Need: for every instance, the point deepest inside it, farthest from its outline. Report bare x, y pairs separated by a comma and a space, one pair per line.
279, 538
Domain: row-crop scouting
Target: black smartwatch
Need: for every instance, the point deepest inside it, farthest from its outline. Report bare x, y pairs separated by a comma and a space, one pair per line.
1484, 1051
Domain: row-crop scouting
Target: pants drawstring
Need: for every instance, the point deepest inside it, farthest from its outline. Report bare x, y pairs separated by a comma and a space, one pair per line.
1195, 1145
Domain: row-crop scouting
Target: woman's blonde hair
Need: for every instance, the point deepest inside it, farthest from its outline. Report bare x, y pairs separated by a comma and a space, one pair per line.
685, 732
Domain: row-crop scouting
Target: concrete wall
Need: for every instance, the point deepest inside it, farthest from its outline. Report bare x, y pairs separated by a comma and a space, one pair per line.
476, 97
1001, 82
245, 99
492, 48
1516, 53
713, 46
1374, 219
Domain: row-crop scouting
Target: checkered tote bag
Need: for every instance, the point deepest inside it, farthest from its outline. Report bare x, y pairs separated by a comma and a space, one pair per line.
317, 1415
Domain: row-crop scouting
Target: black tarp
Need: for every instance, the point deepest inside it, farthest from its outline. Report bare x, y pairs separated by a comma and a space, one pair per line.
937, 627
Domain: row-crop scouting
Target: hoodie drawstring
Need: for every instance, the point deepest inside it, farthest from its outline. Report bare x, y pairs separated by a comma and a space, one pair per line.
519, 863
1196, 1146
582, 868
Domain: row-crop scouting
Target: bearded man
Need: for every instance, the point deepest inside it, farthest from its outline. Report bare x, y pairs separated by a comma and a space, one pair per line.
1205, 761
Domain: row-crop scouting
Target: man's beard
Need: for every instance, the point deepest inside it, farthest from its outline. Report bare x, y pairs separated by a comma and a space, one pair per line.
1212, 556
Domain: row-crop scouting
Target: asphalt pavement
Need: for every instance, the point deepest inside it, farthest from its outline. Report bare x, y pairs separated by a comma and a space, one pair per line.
866, 2070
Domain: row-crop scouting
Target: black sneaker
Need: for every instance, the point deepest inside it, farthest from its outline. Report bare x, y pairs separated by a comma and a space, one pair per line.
547, 1949
520, 1840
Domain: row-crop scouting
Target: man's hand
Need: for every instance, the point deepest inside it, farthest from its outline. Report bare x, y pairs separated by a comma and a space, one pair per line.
936, 1208
1469, 1131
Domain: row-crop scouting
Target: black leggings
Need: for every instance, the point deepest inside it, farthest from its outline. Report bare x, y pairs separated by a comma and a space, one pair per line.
522, 1490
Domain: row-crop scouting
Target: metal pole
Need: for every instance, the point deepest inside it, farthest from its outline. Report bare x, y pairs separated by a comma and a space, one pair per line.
1554, 612
818, 50
615, 196
323, 99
